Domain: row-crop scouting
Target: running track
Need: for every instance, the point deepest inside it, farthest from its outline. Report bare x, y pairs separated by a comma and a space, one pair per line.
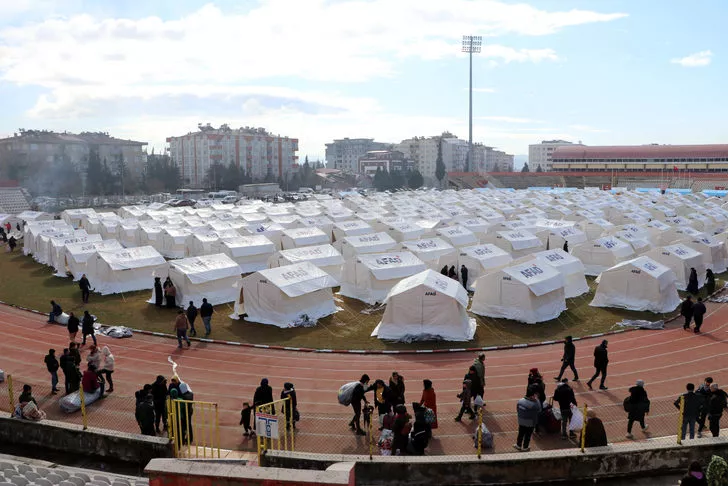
228, 375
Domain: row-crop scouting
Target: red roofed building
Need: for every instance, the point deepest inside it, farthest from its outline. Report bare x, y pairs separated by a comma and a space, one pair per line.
707, 158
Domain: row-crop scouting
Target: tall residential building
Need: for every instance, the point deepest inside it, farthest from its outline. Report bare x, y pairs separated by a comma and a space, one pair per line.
540, 153
344, 154
259, 152
422, 151
389, 160
488, 159
35, 149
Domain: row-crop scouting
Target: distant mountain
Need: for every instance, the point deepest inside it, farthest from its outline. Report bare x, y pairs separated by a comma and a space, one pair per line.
518, 161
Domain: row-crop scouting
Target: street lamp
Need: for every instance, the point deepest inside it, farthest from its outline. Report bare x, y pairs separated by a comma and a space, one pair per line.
471, 44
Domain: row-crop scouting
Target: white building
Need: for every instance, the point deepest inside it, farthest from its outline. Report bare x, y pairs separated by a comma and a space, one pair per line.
344, 154
540, 153
259, 152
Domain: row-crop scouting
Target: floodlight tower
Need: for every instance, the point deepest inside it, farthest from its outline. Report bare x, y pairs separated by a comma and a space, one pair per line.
471, 44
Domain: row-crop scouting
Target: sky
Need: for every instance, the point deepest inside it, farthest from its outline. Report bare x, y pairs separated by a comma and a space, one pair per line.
604, 73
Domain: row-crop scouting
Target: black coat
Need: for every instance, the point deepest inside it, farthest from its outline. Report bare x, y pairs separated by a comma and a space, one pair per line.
84, 284
73, 324
191, 313
88, 324
686, 309
66, 363
159, 392
639, 403
693, 405
564, 395
717, 402
475, 388
699, 310
569, 352
206, 310
263, 394
600, 356
145, 416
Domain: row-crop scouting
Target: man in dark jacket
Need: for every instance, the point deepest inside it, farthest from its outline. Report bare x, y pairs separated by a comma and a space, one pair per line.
717, 403
52, 364
206, 312
396, 388
145, 415
704, 393
65, 362
601, 359
85, 287
564, 396
699, 311
692, 404
159, 395
264, 394
464, 276
357, 395
87, 328
686, 310
191, 316
568, 359
55, 312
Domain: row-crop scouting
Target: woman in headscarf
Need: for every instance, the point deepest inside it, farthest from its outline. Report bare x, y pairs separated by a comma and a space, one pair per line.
170, 293
107, 367
709, 282
291, 406
594, 433
429, 400
158, 292
693, 282
535, 379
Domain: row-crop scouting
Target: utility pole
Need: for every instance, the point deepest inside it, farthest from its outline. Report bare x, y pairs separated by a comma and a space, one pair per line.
471, 44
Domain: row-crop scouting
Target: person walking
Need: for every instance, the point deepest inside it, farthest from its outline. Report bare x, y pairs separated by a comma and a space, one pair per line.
528, 410
72, 326
429, 400
465, 397
264, 395
564, 396
206, 312
65, 362
191, 316
568, 359
52, 365
12, 243
55, 312
716, 404
699, 311
704, 393
536, 380
180, 326
692, 404
107, 367
476, 389
158, 292
464, 276
601, 359
452, 273
357, 396
85, 287
693, 282
638, 405
145, 414
709, 282
479, 364
396, 389
159, 397
290, 407
686, 310
87, 328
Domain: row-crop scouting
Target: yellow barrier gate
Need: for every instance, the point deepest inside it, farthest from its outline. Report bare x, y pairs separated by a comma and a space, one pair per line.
194, 428
274, 426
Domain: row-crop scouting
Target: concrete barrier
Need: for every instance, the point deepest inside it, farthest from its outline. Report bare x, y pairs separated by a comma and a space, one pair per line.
653, 457
190, 472
72, 439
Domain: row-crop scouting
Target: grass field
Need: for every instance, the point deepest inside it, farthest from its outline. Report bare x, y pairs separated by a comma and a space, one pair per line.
29, 284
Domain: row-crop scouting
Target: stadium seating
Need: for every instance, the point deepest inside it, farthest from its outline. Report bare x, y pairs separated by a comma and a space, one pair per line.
13, 200
17, 473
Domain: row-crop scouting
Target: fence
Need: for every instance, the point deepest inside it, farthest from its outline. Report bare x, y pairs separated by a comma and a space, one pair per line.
275, 427
328, 432
194, 427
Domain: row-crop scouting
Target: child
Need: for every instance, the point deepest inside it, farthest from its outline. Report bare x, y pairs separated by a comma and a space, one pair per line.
368, 411
245, 419
465, 397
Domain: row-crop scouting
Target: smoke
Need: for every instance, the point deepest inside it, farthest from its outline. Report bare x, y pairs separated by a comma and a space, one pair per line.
174, 367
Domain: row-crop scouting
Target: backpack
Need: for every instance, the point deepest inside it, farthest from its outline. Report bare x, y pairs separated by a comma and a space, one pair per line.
627, 404
345, 393
430, 416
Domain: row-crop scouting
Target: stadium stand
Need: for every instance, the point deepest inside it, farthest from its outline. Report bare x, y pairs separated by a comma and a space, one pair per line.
13, 200
15, 471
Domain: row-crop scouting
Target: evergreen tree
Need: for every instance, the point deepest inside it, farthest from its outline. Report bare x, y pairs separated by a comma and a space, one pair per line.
397, 180
94, 174
439, 164
525, 168
269, 177
539, 169
377, 182
415, 179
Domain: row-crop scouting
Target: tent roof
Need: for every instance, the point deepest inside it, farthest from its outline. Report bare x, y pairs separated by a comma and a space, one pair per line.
645, 264
381, 239
134, 257
563, 261
485, 251
65, 241
93, 246
295, 233
297, 279
520, 239
385, 266
431, 280
539, 278
207, 268
680, 251
615, 245
428, 245
320, 255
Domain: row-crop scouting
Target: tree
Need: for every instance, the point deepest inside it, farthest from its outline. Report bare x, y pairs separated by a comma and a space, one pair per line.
415, 179
439, 164
525, 168
269, 177
397, 179
539, 169
377, 182
94, 173
215, 176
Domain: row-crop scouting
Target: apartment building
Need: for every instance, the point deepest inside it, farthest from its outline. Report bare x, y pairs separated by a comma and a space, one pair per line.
542, 153
344, 154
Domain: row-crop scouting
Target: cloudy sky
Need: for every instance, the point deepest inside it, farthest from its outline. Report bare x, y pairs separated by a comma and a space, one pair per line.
606, 72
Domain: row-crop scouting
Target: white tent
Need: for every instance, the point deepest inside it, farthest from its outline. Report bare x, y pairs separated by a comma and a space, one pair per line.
434, 252
112, 272
126, 232
370, 243
77, 254
300, 237
640, 284
478, 226
528, 292
458, 236
715, 255
250, 252
680, 259
174, 242
34, 229
212, 277
321, 222
570, 234
203, 242
601, 254
516, 242
325, 257
352, 227
404, 230
58, 250
150, 234
369, 278
569, 267
478, 259
29, 216
74, 216
594, 228
640, 244
43, 243
426, 306
286, 296
272, 231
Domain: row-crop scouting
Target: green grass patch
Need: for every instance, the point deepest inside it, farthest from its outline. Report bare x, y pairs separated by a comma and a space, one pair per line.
30, 284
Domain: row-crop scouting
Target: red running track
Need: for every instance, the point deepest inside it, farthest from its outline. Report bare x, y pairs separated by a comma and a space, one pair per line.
228, 375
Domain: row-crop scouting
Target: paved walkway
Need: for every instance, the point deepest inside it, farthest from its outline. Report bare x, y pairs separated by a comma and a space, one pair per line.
228, 375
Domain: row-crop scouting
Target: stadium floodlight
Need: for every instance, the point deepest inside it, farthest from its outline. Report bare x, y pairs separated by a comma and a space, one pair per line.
471, 44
